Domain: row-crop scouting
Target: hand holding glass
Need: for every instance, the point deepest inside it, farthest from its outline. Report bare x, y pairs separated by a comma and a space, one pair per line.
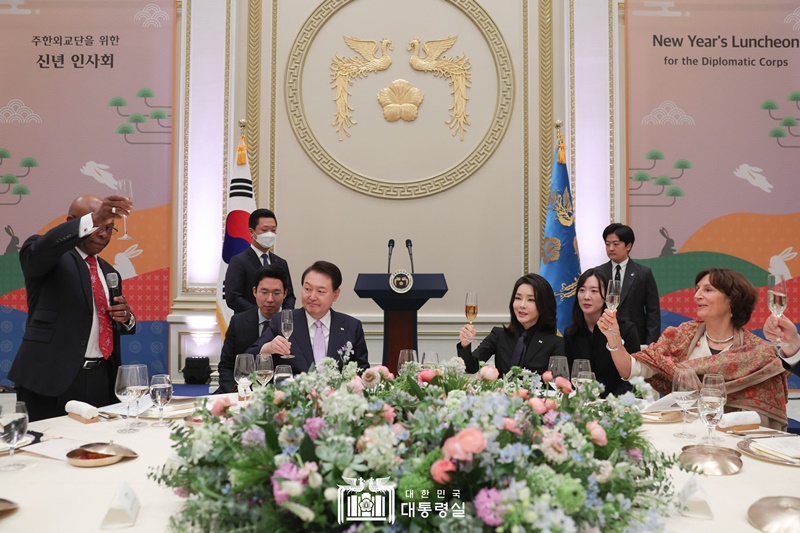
612, 294
685, 390
287, 327
777, 297
161, 394
125, 188
13, 425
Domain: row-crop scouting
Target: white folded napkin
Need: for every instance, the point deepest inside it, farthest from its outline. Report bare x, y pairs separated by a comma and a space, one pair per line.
82, 409
739, 418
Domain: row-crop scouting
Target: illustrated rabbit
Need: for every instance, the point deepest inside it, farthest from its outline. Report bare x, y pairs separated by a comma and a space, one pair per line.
669, 246
13, 246
122, 261
777, 263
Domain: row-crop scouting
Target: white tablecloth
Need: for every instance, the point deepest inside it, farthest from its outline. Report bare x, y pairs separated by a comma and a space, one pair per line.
55, 496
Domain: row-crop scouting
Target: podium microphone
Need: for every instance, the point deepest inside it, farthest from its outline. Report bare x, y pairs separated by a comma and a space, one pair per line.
112, 280
391, 248
410, 254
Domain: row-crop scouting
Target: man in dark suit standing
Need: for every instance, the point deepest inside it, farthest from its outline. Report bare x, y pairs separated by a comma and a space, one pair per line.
70, 350
319, 331
243, 266
638, 301
270, 290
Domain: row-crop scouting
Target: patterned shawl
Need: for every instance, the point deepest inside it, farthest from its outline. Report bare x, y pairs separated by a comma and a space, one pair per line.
754, 376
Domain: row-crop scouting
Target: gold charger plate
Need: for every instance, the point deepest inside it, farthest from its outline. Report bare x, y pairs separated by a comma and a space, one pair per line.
711, 460
775, 514
81, 458
744, 445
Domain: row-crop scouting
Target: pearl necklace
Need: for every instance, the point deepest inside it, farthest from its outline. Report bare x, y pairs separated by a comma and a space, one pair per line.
719, 341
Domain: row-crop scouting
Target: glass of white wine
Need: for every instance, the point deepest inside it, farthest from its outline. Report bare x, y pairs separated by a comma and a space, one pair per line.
161, 394
579, 366
264, 369
471, 306
287, 327
612, 294
777, 297
125, 188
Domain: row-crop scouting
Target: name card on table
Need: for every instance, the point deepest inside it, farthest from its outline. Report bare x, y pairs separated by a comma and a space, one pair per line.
693, 501
123, 510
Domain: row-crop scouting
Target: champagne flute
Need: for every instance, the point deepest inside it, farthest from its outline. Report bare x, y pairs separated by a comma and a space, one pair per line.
13, 425
685, 390
613, 293
777, 297
558, 366
287, 327
161, 394
125, 188
471, 308
139, 387
711, 404
264, 369
125, 377
579, 366
244, 366
430, 359
283, 373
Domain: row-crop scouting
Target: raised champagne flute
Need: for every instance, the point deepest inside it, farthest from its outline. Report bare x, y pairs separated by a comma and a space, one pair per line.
140, 387
612, 294
287, 327
471, 308
122, 388
125, 188
264, 368
777, 297
161, 394
685, 390
14, 426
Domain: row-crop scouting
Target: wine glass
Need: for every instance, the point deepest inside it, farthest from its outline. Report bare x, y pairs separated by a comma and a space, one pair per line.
558, 366
685, 390
612, 294
13, 425
471, 306
406, 356
139, 387
430, 359
287, 327
777, 297
283, 373
711, 404
161, 394
244, 366
125, 188
126, 375
579, 366
264, 368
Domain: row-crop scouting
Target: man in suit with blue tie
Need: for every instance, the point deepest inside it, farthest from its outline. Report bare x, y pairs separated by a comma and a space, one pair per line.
242, 267
638, 301
269, 288
319, 331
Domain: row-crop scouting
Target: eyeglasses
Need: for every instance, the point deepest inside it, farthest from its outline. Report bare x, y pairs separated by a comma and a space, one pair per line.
107, 229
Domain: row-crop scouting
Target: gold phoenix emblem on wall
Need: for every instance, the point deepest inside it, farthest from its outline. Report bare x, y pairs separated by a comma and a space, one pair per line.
346, 69
400, 100
455, 69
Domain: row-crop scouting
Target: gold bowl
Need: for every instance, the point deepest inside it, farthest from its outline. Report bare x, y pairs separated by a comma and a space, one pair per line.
775, 514
711, 460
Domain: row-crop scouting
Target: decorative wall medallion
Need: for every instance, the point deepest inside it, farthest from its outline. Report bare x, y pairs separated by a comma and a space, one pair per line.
400, 100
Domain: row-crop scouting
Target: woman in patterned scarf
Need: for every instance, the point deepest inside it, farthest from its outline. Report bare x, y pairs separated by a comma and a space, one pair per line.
714, 343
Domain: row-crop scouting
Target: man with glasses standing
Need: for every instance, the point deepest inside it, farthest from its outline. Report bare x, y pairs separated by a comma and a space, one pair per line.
70, 349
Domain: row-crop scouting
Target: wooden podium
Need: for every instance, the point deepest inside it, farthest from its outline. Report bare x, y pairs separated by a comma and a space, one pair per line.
399, 310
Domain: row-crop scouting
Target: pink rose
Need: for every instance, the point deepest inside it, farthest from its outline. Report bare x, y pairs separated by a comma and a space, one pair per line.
488, 373
509, 424
563, 385
440, 469
356, 385
280, 417
453, 449
220, 406
597, 433
547, 377
537, 406
384, 372
522, 393
472, 440
388, 414
551, 404
426, 375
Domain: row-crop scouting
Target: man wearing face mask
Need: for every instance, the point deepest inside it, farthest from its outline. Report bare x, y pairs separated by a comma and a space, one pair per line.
242, 267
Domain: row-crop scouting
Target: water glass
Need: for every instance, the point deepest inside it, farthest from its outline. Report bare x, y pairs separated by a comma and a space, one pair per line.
14, 426
161, 394
578, 366
430, 359
711, 404
126, 378
283, 373
685, 390
139, 388
406, 356
264, 368
244, 366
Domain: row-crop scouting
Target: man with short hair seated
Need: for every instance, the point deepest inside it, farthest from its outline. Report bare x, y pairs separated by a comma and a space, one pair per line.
319, 331
269, 289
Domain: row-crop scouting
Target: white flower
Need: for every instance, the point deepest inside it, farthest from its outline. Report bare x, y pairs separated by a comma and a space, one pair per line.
331, 494
604, 472
314, 480
292, 488
304, 513
371, 378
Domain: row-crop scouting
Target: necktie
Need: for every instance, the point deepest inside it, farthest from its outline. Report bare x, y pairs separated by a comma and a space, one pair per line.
101, 304
519, 350
616, 274
264, 259
319, 342
261, 327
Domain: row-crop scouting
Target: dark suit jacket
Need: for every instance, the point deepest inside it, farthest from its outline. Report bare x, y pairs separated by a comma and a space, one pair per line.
638, 302
581, 344
501, 343
343, 328
239, 280
242, 333
60, 312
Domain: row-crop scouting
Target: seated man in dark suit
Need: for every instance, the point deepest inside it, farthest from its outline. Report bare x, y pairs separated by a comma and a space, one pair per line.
782, 329
243, 266
638, 302
319, 331
269, 287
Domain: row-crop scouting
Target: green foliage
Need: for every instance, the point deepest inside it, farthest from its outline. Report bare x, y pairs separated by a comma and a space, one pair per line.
663, 181
117, 101
28, 162
641, 176
8, 179
654, 155
145, 92
769, 105
4, 153
675, 192
682, 164
794, 96
125, 129
777, 133
788, 122
21, 190
137, 118
158, 114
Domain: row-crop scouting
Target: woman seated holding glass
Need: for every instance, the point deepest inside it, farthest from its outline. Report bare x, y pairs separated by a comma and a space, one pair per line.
583, 339
715, 343
530, 338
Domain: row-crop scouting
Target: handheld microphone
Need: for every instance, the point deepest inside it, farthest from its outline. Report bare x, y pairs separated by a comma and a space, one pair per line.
391, 248
112, 280
410, 254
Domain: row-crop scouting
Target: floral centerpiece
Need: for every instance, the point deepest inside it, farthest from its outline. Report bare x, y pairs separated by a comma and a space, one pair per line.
430, 450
